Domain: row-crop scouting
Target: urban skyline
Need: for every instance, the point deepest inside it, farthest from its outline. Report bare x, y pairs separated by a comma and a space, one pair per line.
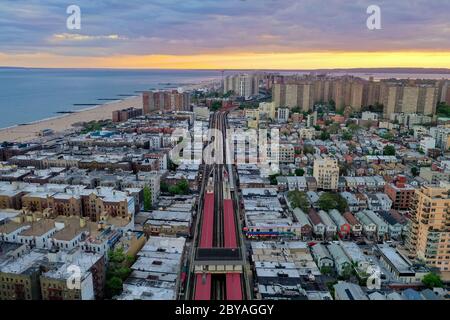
323, 175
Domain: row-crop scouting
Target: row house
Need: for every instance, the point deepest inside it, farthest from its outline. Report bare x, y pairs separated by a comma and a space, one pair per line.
344, 228
356, 227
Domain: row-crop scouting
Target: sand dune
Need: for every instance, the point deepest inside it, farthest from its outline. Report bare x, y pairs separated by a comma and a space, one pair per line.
64, 122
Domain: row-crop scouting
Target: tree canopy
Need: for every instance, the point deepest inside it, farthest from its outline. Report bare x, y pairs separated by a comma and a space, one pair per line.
347, 136
273, 179
432, 280
216, 105
443, 110
387, 136
181, 188
118, 270
389, 150
308, 149
298, 199
324, 136
330, 200
147, 198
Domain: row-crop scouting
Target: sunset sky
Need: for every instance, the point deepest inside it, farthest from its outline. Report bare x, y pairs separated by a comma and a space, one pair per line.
219, 34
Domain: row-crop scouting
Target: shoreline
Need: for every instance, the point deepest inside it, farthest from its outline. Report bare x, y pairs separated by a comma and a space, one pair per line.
62, 114
63, 122
60, 123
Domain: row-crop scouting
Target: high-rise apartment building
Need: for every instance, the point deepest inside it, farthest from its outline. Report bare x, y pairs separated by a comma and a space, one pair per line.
294, 95
125, 114
165, 101
243, 85
326, 172
398, 97
304, 93
429, 237
444, 95
400, 193
371, 93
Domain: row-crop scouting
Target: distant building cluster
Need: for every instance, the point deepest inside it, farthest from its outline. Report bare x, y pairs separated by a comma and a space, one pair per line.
165, 101
396, 96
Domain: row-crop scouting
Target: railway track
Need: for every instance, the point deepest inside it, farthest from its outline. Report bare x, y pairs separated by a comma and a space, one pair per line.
217, 228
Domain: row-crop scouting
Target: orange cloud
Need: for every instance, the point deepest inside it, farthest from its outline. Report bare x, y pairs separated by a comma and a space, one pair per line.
286, 61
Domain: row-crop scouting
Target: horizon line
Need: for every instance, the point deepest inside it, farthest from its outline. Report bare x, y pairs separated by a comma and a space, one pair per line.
361, 69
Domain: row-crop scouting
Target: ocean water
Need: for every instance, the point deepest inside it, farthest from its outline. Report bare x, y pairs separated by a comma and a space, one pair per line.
28, 95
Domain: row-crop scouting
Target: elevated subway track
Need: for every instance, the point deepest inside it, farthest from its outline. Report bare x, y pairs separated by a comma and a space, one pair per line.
216, 258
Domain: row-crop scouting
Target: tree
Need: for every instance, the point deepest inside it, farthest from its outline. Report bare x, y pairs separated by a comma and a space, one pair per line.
114, 287
308, 149
163, 186
329, 200
330, 286
326, 270
347, 272
353, 127
216, 105
94, 126
298, 199
299, 172
334, 128
147, 198
388, 136
181, 188
340, 111
296, 110
389, 150
415, 171
324, 136
273, 179
116, 256
443, 110
432, 280
183, 185
347, 136
332, 104
228, 94
174, 190
118, 270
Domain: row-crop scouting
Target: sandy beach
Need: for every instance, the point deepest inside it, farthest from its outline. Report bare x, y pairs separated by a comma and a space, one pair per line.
64, 122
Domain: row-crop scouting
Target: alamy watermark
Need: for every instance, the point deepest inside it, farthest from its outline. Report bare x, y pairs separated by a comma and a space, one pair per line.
261, 147
74, 280
73, 21
374, 20
374, 279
